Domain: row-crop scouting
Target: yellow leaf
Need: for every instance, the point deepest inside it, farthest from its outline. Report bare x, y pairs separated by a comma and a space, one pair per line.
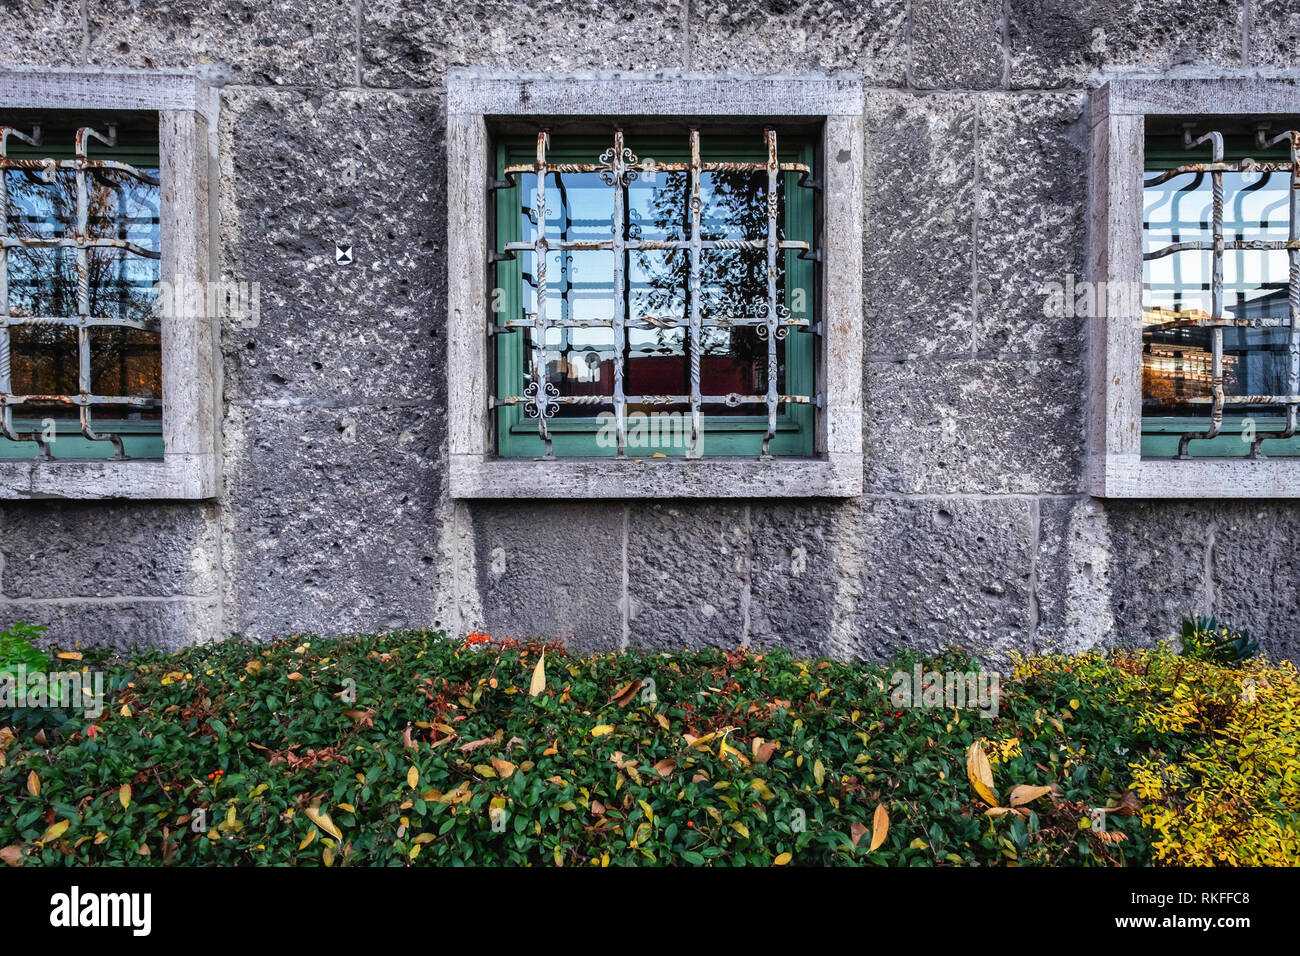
413, 778
69, 655
646, 809
504, 768
124, 795
601, 730
307, 842
347, 807
1026, 794
539, 677
33, 784
55, 831
783, 859
323, 821
327, 857
741, 829
980, 773
879, 826
415, 851
819, 772
125, 711
662, 721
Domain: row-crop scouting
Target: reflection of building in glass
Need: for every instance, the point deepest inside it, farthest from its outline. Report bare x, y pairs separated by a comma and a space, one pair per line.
1177, 362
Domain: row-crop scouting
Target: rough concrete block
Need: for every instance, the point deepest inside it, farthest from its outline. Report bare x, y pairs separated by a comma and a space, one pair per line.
1159, 566
688, 571
85, 549
285, 42
1032, 211
1060, 42
1073, 575
412, 43
1255, 572
332, 517
803, 589
1274, 32
974, 426
310, 171
957, 45
41, 32
551, 571
939, 572
125, 625
919, 184
866, 37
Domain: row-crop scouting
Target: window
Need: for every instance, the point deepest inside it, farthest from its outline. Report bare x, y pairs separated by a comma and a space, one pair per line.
666, 302
1196, 238
106, 349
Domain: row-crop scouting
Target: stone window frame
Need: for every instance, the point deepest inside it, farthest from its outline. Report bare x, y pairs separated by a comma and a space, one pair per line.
187, 110
1118, 112
476, 102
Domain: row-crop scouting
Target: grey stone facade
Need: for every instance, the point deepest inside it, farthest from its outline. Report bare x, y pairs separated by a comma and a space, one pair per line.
334, 514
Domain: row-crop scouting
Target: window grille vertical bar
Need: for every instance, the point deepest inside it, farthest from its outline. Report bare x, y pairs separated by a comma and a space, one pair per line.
1216, 294
773, 172
620, 294
6, 412
694, 291
1293, 290
540, 386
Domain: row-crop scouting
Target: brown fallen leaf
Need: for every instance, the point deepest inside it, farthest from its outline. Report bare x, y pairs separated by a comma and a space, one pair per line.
857, 831
980, 773
879, 826
1026, 794
504, 768
624, 695
33, 784
665, 768
11, 855
476, 744
763, 750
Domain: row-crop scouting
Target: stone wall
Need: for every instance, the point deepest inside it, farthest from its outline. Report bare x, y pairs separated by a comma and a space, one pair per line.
334, 515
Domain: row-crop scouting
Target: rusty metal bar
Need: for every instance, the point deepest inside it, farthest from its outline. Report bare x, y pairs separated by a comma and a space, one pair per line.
695, 290
772, 210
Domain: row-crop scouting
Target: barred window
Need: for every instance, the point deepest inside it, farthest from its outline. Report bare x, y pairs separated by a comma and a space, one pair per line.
108, 320
80, 353
656, 294
663, 301
1221, 282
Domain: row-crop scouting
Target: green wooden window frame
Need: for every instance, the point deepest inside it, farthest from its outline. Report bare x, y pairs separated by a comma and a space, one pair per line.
1161, 433
140, 439
728, 436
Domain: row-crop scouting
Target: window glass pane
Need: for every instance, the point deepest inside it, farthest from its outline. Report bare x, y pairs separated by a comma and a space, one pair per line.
1177, 361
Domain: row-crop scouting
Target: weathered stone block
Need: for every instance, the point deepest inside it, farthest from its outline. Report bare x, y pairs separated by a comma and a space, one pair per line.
1254, 571
1060, 42
103, 549
688, 569
134, 623
285, 42
41, 32
310, 171
957, 45
939, 572
972, 426
551, 571
919, 185
866, 37
1032, 212
412, 43
332, 517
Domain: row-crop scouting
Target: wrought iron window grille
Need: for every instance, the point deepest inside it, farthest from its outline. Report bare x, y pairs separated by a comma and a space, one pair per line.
1217, 245
770, 318
81, 242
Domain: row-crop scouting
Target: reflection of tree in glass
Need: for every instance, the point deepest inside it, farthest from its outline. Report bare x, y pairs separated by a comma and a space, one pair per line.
732, 282
43, 282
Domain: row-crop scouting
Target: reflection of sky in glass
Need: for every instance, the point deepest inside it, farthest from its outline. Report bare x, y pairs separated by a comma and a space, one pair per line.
1255, 207
1177, 362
